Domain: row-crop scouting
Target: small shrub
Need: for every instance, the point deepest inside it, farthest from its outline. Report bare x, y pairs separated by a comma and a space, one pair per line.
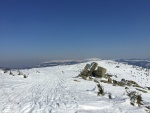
109, 95
24, 76
76, 80
100, 90
114, 82
139, 100
20, 73
11, 73
126, 88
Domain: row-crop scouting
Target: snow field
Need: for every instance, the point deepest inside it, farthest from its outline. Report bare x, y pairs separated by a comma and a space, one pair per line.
53, 90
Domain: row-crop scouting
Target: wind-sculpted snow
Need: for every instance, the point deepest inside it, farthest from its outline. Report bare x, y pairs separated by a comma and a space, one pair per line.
54, 90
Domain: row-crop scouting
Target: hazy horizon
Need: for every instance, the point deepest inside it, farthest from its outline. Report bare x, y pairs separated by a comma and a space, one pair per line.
30, 64
32, 31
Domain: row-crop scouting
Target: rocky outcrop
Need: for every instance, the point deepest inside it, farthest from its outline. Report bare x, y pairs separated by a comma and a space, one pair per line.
93, 70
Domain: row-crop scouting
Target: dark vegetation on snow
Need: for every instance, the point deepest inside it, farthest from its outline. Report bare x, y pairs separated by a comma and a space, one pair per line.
15, 73
98, 75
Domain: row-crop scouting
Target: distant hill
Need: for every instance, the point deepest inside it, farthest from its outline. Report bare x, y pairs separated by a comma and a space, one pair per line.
63, 62
138, 62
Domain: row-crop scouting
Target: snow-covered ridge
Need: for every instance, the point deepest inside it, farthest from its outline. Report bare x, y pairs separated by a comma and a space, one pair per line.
64, 62
57, 90
85, 60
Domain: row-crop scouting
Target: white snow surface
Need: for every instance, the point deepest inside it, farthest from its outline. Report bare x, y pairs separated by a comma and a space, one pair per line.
53, 90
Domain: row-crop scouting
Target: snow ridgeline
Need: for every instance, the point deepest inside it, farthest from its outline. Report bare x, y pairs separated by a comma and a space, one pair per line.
57, 90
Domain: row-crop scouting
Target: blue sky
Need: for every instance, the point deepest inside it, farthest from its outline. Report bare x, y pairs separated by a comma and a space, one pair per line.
32, 31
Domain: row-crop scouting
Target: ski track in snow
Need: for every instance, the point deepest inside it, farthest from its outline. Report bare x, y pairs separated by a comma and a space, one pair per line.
53, 90
46, 94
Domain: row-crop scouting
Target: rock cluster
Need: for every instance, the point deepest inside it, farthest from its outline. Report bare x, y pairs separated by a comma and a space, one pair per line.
93, 70
124, 82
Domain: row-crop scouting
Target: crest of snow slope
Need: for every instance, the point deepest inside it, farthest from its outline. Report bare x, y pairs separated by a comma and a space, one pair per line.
53, 90
1, 71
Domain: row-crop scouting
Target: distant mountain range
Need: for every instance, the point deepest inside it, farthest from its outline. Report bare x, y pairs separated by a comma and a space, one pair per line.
138, 62
63, 62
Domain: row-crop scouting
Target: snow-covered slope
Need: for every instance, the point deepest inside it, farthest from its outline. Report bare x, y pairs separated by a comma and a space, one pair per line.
57, 90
